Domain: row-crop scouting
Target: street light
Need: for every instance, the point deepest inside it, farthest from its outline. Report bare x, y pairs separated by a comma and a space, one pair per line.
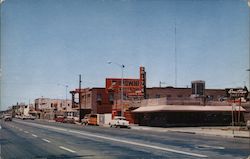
122, 69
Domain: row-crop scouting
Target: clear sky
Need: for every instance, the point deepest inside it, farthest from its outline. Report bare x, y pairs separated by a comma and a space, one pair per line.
46, 44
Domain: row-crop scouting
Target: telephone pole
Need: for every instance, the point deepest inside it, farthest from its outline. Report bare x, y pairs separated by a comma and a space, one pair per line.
80, 81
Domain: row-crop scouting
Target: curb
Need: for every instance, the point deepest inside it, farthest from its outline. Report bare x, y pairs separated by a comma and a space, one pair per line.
242, 137
192, 132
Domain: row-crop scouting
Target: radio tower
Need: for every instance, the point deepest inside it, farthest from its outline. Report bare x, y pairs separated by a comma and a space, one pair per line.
175, 54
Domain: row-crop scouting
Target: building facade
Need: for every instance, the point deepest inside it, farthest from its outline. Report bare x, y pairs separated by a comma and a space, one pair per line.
47, 108
183, 93
92, 100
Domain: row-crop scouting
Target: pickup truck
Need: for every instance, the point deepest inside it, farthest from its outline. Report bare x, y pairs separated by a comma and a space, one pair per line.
119, 121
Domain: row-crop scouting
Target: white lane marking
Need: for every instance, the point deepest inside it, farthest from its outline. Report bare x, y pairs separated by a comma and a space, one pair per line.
140, 144
46, 140
211, 147
21, 129
0, 127
121, 141
67, 149
34, 135
26, 132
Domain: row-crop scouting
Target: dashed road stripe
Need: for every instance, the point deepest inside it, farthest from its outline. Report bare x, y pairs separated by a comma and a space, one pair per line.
67, 149
46, 140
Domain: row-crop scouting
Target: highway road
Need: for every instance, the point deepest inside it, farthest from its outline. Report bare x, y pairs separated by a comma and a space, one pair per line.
41, 139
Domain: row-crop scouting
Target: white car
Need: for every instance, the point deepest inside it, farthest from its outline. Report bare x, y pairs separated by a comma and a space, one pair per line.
248, 125
119, 121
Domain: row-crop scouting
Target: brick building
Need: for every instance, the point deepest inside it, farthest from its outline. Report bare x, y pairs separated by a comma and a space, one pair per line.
93, 100
182, 93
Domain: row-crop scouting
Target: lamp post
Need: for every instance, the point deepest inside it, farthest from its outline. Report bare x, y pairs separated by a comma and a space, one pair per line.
122, 70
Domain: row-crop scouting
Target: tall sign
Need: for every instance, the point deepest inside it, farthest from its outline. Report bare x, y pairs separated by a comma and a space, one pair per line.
143, 81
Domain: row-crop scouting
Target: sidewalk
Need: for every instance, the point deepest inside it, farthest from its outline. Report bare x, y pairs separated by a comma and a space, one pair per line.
213, 131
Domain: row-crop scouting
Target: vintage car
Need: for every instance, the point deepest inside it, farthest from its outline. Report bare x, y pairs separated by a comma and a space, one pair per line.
119, 121
7, 117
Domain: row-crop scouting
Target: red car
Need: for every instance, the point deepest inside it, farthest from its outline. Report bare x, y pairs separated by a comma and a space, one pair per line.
60, 119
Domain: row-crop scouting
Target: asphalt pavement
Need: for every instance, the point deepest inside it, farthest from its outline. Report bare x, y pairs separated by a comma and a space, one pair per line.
40, 139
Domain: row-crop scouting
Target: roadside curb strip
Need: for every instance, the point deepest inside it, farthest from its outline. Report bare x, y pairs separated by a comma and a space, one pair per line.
186, 132
198, 133
243, 137
78, 123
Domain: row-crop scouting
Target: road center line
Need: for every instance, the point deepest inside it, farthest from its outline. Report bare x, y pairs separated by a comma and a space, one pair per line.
46, 140
67, 149
34, 135
119, 140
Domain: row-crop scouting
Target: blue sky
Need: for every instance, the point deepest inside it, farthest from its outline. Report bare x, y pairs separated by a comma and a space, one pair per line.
47, 43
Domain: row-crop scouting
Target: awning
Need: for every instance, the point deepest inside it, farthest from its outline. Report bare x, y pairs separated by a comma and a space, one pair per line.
186, 108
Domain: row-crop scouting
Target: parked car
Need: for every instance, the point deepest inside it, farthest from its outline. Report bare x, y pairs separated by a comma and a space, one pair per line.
85, 120
31, 117
90, 119
69, 120
26, 117
7, 117
60, 119
248, 125
119, 121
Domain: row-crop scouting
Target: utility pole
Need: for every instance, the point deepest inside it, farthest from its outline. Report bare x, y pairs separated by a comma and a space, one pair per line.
80, 81
122, 107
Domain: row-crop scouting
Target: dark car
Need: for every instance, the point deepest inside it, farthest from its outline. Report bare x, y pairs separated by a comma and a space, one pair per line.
7, 117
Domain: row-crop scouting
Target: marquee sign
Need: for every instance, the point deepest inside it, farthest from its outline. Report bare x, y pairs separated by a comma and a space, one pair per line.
131, 87
237, 92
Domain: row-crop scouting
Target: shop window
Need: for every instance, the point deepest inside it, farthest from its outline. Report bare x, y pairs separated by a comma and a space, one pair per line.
99, 97
111, 97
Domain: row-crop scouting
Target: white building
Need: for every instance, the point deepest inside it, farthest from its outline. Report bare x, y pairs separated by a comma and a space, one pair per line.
53, 107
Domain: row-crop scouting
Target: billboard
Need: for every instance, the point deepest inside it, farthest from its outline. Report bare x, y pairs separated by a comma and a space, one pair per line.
131, 87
